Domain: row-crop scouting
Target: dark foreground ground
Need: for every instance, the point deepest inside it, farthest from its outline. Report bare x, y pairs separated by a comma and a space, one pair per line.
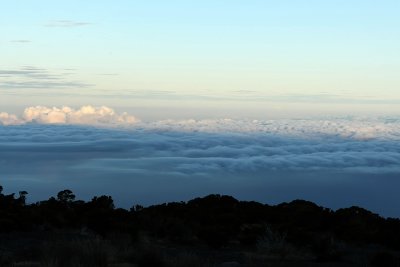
214, 230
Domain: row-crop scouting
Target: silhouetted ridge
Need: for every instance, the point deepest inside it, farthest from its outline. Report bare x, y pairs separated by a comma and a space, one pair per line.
214, 222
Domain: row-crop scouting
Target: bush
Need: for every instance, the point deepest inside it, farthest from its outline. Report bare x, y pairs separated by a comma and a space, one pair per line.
384, 259
75, 253
273, 242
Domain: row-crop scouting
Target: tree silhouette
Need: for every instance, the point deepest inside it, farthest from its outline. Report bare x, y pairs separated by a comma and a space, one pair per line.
22, 197
65, 196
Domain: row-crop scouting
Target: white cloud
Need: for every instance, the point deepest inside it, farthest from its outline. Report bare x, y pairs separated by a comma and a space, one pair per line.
354, 128
86, 115
9, 119
384, 128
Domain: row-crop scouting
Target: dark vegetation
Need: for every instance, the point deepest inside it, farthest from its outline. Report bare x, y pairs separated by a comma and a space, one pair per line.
211, 231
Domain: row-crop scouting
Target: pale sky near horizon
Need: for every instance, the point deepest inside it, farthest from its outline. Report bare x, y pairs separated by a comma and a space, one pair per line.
203, 58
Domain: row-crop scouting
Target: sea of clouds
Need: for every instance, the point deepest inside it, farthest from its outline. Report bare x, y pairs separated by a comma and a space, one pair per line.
95, 149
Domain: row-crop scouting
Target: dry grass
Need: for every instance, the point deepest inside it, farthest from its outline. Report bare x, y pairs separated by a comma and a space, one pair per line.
75, 253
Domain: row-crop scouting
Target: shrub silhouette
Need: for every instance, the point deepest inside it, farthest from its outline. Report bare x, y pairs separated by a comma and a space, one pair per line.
65, 196
384, 259
214, 222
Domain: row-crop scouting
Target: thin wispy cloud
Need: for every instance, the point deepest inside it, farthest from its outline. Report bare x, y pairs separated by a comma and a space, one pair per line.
27, 71
21, 41
322, 97
108, 74
244, 96
67, 23
41, 85
331, 98
29, 77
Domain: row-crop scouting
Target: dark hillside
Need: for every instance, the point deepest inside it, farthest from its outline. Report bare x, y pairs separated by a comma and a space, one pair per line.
207, 231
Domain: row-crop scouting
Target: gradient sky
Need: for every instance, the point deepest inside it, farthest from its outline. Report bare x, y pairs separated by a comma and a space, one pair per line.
203, 58
263, 100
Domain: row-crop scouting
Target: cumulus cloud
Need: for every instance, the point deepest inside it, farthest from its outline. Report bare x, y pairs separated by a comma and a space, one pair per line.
87, 115
8, 119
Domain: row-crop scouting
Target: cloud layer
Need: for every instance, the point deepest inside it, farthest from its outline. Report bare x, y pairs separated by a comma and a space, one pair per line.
334, 162
358, 128
354, 128
192, 149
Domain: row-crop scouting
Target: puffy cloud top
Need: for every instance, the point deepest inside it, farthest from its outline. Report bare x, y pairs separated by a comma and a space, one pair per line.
8, 119
87, 115
353, 128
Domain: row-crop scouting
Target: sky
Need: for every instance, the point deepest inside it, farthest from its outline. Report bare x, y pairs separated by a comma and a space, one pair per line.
153, 101
183, 59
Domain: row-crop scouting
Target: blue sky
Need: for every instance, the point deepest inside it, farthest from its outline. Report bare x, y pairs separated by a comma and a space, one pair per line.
289, 58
